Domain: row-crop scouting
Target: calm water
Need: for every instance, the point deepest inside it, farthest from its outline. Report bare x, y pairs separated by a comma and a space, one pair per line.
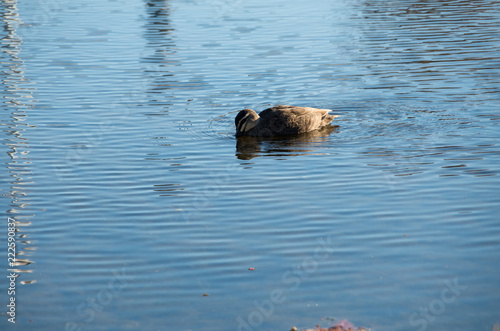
133, 198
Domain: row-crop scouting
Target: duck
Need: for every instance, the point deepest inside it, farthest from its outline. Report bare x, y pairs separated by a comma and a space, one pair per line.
281, 120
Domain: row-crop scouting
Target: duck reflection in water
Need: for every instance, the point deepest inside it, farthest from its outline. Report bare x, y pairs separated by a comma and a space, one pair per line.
248, 148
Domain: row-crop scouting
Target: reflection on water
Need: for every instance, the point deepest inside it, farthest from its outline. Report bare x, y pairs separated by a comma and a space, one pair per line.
17, 100
168, 190
248, 148
421, 47
455, 160
160, 52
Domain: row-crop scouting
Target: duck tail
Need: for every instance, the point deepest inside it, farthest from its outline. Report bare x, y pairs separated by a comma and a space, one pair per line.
330, 116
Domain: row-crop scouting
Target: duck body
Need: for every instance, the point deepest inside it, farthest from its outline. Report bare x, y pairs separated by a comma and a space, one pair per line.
281, 121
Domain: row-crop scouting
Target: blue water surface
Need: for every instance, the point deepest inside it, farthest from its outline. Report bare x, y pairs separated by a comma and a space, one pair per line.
137, 208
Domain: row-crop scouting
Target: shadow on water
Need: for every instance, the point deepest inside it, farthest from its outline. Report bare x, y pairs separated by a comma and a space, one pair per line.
248, 148
17, 100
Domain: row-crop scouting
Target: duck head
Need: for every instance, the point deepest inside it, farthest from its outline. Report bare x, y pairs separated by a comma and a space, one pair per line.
246, 120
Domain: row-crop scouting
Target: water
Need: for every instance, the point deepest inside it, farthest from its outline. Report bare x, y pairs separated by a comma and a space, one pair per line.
133, 198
